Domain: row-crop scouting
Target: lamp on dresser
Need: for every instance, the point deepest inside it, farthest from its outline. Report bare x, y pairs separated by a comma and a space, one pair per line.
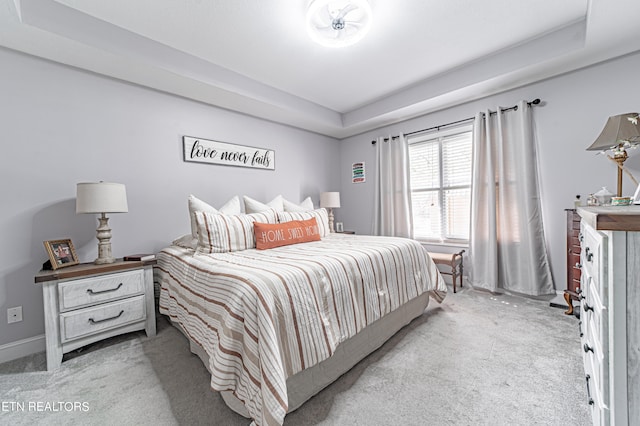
620, 133
330, 200
102, 198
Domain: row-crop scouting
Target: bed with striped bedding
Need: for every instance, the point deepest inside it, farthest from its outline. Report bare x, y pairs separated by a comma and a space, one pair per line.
262, 316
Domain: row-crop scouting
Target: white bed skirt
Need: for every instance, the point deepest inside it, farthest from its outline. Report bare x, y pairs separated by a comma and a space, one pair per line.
305, 384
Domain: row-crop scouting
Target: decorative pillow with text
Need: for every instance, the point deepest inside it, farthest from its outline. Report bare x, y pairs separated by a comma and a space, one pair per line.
283, 234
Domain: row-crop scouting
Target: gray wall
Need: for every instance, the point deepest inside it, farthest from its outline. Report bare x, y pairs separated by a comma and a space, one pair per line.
576, 107
60, 126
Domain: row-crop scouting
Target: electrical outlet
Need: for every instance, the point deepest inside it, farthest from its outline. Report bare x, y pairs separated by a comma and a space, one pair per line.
14, 314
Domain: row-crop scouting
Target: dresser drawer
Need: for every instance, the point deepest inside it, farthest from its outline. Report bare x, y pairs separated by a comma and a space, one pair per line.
92, 320
591, 254
90, 291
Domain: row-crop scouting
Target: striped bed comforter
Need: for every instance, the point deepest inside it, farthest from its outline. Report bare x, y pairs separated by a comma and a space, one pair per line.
264, 315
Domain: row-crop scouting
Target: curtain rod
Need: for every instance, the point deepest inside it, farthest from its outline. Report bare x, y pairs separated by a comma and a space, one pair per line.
536, 101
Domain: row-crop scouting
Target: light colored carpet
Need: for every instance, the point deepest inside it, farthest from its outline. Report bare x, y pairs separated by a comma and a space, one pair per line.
477, 359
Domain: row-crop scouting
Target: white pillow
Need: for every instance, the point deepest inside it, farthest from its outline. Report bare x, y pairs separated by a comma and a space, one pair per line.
304, 206
253, 206
222, 233
195, 204
321, 215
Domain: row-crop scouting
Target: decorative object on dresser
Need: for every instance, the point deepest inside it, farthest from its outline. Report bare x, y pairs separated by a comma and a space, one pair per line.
636, 196
61, 253
610, 312
102, 198
139, 257
454, 261
573, 259
330, 201
620, 133
86, 303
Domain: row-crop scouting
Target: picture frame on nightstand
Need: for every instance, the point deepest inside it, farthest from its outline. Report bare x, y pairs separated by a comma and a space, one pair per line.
636, 196
61, 253
339, 227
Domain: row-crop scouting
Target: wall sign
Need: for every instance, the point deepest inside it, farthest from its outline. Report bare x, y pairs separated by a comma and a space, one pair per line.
357, 173
227, 154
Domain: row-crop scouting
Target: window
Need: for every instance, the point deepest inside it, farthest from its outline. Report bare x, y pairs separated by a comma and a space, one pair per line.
441, 185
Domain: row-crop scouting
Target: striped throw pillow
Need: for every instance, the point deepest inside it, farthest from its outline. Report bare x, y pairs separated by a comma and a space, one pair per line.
321, 215
221, 233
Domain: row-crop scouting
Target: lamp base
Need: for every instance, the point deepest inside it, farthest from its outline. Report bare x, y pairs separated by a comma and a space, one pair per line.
331, 229
104, 241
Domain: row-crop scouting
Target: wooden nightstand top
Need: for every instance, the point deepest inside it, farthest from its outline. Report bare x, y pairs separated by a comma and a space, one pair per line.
86, 269
612, 218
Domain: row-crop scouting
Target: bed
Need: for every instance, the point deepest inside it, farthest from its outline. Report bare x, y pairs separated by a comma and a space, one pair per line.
276, 326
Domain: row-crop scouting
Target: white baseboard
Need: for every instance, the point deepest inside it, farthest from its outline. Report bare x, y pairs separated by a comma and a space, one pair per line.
24, 347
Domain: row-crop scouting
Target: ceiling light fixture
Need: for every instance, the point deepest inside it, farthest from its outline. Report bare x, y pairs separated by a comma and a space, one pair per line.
338, 23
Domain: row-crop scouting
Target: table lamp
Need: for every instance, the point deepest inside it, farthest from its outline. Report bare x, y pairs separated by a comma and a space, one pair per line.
102, 198
330, 200
620, 133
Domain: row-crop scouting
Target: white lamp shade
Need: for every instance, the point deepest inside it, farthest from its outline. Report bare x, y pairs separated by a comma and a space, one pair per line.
330, 200
101, 197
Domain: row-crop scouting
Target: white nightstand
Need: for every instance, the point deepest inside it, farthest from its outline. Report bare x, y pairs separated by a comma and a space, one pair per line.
86, 303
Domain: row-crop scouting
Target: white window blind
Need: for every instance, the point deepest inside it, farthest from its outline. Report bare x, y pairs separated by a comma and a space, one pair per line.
441, 185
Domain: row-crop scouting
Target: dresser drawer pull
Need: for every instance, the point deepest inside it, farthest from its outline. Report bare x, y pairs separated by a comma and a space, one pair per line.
588, 254
588, 308
92, 321
93, 293
580, 328
587, 348
591, 401
580, 237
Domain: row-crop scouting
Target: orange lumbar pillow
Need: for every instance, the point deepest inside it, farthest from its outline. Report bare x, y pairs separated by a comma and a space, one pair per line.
270, 235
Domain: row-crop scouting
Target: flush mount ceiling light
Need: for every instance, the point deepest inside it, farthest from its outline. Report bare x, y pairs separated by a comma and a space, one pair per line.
338, 23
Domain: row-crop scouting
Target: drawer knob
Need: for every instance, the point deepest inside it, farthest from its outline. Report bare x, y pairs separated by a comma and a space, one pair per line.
578, 265
580, 237
587, 308
92, 321
587, 348
93, 293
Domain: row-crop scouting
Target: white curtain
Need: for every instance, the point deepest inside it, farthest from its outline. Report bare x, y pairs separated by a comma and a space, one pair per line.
392, 208
507, 244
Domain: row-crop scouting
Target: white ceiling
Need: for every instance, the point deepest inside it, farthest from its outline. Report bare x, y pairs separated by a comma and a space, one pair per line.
254, 56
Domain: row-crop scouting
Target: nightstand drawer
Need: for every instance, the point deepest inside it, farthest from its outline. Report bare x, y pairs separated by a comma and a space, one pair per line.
90, 291
88, 321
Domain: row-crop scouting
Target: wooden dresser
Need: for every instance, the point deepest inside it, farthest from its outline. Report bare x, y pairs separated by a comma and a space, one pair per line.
610, 312
573, 259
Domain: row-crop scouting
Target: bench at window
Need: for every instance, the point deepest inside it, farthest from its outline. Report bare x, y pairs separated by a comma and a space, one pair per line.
454, 261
